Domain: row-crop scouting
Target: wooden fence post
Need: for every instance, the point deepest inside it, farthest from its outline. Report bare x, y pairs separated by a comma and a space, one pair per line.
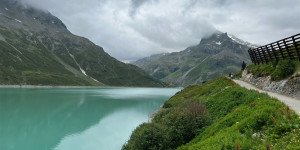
251, 56
273, 50
280, 49
287, 49
296, 47
254, 52
269, 53
261, 59
263, 52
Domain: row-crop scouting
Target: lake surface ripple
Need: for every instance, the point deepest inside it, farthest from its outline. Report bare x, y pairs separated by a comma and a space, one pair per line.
74, 119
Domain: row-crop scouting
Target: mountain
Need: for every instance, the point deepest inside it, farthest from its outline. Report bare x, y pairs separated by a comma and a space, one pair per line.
234, 38
36, 48
216, 55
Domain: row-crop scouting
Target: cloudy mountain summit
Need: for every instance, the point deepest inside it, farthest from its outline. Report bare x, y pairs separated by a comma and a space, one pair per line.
214, 56
36, 48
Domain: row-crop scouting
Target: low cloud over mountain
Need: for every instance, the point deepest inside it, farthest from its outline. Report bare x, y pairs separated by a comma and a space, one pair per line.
131, 29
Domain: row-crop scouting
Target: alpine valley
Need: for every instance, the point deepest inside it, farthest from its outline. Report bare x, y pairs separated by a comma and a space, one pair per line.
219, 54
36, 48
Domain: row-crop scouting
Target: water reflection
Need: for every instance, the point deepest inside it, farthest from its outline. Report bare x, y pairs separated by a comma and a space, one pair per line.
38, 119
107, 134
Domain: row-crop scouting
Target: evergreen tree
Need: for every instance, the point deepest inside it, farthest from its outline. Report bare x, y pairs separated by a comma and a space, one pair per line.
244, 65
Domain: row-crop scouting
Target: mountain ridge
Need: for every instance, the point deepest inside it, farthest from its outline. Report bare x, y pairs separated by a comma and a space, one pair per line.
37, 48
216, 55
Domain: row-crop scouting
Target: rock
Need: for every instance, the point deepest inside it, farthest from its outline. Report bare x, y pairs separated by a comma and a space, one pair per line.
290, 87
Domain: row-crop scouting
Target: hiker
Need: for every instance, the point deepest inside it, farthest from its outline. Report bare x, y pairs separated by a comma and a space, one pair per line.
229, 75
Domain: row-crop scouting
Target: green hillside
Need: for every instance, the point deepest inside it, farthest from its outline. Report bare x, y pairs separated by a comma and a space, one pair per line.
219, 115
36, 48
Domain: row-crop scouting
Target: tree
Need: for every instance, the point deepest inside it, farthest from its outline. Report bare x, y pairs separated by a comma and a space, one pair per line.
244, 65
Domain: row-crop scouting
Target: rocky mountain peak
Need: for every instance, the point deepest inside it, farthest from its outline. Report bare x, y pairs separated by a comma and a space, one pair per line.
215, 39
19, 15
216, 55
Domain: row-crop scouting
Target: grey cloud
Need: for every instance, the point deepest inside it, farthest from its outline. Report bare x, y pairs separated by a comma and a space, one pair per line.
132, 29
173, 33
135, 4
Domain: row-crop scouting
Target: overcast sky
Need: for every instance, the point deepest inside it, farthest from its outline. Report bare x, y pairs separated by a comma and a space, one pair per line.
132, 29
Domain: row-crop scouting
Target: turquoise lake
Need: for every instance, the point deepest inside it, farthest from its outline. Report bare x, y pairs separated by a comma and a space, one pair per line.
74, 119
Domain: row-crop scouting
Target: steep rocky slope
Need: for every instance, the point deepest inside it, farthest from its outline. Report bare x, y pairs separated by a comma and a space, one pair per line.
214, 56
37, 48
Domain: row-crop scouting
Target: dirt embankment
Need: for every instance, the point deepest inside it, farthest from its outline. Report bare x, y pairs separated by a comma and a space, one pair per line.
290, 86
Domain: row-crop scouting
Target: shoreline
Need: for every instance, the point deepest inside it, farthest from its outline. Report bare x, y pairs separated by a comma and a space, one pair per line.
73, 87
152, 115
48, 86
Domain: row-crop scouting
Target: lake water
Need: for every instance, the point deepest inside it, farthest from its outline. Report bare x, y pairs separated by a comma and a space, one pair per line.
74, 119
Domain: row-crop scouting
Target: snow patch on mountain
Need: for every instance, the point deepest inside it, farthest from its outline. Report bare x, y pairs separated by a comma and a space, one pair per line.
83, 71
237, 40
14, 48
18, 20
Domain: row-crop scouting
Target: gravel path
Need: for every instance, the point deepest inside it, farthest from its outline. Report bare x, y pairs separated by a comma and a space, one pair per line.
291, 102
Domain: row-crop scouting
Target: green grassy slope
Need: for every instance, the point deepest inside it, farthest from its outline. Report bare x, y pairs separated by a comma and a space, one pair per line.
106, 69
237, 118
25, 63
38, 49
277, 70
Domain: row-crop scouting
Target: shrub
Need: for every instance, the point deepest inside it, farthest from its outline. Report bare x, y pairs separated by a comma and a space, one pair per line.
150, 136
283, 69
170, 128
261, 69
277, 70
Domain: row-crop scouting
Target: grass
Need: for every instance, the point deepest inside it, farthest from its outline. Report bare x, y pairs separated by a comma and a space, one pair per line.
297, 72
237, 118
277, 70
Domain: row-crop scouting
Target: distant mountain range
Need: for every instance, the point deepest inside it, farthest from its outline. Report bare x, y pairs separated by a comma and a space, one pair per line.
217, 55
36, 48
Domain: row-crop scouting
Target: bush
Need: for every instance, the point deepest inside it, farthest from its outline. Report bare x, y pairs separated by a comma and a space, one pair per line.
170, 128
277, 70
283, 69
261, 69
150, 136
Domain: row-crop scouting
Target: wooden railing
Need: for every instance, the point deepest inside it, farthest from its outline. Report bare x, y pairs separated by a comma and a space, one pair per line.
288, 48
